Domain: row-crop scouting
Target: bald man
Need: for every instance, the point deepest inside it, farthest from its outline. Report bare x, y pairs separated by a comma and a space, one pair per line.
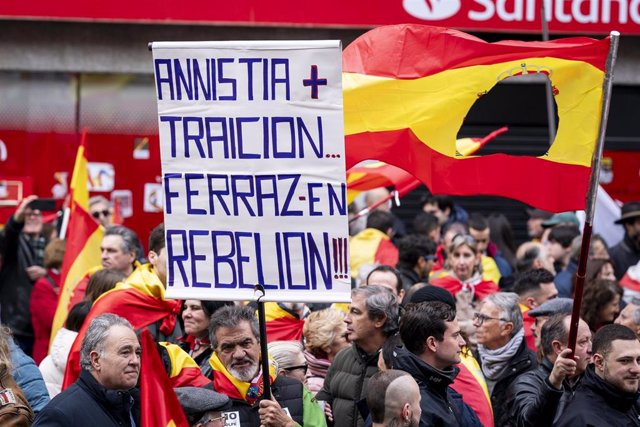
393, 399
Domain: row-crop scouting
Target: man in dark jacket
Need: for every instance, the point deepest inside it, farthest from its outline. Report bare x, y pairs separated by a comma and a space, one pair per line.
373, 316
105, 393
433, 343
608, 393
538, 397
22, 254
627, 252
416, 254
502, 350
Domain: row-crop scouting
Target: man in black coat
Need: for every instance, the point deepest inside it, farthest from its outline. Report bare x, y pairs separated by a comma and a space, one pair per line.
432, 339
538, 397
104, 395
608, 393
627, 253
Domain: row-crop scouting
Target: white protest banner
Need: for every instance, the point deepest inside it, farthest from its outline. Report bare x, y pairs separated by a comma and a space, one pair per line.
252, 146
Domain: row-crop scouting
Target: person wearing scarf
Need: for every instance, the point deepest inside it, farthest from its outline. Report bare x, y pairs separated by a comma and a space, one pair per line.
502, 350
237, 373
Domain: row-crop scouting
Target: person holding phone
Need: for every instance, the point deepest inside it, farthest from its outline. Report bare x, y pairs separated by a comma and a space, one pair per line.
22, 246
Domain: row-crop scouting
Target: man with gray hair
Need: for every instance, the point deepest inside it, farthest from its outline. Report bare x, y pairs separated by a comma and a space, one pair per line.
502, 350
630, 316
393, 398
235, 339
104, 394
373, 317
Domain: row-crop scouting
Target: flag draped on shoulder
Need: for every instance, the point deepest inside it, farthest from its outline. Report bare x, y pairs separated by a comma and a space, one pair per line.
407, 89
84, 236
282, 325
159, 404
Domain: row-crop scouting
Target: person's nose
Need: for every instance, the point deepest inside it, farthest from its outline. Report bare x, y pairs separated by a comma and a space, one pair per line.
239, 352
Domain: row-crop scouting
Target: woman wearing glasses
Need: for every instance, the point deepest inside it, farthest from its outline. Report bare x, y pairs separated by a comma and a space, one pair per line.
463, 270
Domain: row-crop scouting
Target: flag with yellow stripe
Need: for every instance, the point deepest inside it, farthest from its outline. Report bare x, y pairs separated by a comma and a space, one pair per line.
407, 89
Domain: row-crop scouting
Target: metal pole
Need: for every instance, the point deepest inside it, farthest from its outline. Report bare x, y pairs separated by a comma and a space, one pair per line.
264, 353
607, 87
551, 118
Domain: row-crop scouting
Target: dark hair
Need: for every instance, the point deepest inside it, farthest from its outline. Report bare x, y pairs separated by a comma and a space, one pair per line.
380, 303
501, 235
564, 234
597, 294
424, 223
130, 241
412, 247
76, 315
457, 226
525, 262
477, 221
380, 220
210, 307
594, 266
443, 201
377, 392
602, 339
230, 316
156, 238
102, 281
388, 348
423, 320
596, 238
386, 269
553, 329
530, 281
54, 253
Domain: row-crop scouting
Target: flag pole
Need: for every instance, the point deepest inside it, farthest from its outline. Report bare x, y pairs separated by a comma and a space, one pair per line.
551, 119
264, 352
607, 87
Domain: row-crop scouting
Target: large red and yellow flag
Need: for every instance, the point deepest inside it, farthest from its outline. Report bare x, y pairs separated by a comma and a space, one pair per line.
84, 236
407, 89
159, 404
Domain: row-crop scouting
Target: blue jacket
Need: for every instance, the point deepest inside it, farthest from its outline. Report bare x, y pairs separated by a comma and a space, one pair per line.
29, 378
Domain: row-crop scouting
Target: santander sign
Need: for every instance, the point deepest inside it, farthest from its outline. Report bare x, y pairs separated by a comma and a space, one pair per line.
562, 15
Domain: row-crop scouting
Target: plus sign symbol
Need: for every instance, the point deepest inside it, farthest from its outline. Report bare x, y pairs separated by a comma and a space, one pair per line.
314, 82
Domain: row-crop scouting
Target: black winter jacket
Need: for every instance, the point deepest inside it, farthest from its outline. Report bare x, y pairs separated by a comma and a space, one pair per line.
524, 360
533, 401
346, 383
441, 405
624, 255
87, 403
599, 404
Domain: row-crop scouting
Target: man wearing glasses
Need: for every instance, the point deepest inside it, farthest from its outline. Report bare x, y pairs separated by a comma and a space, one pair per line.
21, 264
502, 350
101, 210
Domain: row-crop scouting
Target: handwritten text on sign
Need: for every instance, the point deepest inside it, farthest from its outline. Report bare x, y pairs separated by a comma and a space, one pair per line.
252, 146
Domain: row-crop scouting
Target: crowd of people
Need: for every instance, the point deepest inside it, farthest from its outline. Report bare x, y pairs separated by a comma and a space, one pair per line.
451, 324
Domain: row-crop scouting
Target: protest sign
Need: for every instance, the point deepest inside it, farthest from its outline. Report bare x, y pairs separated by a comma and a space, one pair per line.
252, 147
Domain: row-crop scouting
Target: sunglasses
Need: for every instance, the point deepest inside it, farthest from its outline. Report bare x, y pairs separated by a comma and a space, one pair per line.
97, 214
293, 368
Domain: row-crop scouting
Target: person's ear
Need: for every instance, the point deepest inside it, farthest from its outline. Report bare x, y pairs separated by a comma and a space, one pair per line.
531, 302
94, 358
508, 327
432, 344
380, 321
153, 257
406, 412
598, 361
557, 346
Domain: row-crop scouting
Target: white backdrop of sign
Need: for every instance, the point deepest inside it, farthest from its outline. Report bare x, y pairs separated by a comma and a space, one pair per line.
252, 147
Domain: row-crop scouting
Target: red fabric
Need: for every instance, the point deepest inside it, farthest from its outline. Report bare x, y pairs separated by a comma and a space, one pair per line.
628, 283
284, 329
528, 322
453, 285
43, 303
386, 253
139, 309
473, 394
79, 291
159, 405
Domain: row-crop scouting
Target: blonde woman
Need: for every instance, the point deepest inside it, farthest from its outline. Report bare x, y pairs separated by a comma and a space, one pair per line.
14, 410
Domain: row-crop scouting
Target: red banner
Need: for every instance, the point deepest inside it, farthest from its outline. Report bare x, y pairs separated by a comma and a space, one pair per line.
564, 16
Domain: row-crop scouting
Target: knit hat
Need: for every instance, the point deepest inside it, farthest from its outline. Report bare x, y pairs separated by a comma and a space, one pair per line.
433, 293
552, 306
196, 401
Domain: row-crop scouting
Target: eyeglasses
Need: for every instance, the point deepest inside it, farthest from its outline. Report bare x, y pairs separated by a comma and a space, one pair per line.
479, 318
97, 214
293, 368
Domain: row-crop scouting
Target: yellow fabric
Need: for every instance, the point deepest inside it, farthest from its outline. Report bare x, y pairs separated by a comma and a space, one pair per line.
490, 269
179, 359
241, 386
144, 280
344, 306
363, 247
420, 103
273, 311
473, 366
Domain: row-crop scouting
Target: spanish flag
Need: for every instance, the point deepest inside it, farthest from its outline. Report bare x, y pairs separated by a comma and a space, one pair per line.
281, 324
407, 89
84, 236
159, 404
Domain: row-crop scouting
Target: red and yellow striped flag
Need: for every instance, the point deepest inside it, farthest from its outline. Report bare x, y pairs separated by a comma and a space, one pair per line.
407, 89
84, 236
